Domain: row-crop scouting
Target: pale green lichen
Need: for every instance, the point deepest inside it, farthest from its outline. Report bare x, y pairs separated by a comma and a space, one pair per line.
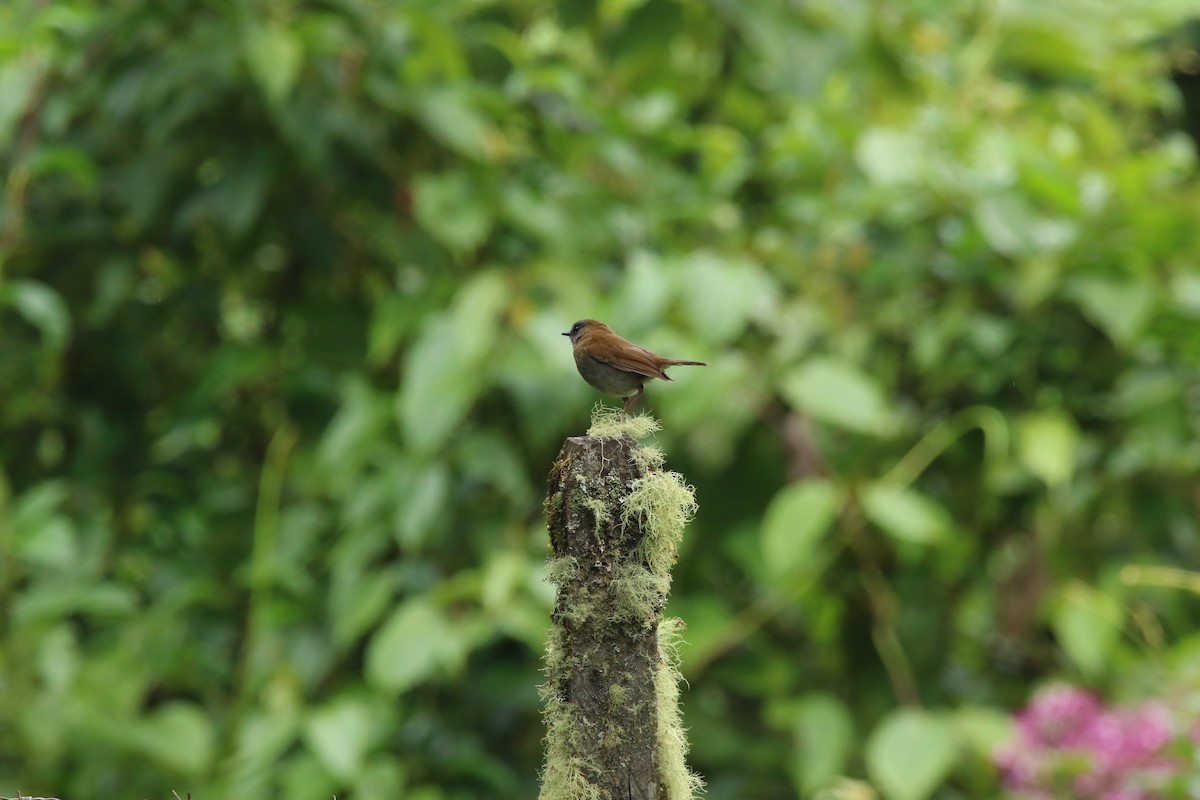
617, 697
649, 458
579, 612
612, 737
637, 593
565, 776
561, 569
680, 782
553, 505
600, 512
612, 423
664, 504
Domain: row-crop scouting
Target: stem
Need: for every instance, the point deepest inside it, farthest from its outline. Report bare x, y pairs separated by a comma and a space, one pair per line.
987, 419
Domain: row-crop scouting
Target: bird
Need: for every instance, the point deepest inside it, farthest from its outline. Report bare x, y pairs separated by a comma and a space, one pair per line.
617, 366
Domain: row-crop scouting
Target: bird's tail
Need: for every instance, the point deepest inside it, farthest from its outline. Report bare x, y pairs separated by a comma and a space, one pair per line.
670, 362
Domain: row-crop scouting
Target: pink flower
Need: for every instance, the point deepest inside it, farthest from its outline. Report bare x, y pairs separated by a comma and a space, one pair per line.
1057, 715
1068, 742
1125, 794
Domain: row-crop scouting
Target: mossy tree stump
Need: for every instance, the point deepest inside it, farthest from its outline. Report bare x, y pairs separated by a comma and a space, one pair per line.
615, 519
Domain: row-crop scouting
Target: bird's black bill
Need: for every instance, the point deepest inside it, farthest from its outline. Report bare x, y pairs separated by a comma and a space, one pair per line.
568, 333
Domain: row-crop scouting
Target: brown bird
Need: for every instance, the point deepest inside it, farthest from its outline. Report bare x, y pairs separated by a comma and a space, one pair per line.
616, 366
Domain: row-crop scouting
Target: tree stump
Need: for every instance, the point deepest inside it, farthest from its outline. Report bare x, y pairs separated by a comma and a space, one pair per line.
611, 694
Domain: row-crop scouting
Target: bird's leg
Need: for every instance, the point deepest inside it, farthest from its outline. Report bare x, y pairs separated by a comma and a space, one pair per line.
633, 398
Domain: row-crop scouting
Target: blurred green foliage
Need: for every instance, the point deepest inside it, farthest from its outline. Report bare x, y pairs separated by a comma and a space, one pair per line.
281, 285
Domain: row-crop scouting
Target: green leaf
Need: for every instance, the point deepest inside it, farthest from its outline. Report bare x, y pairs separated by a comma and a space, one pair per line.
1046, 445
43, 308
644, 290
50, 543
39, 503
383, 776
304, 775
983, 728
531, 210
905, 514
179, 735
236, 200
839, 393
356, 603
47, 601
1037, 277
362, 418
1145, 390
1046, 39
723, 155
910, 753
1013, 228
502, 577
425, 499
340, 734
416, 643
393, 320
274, 55
18, 79
445, 368
1005, 222
890, 157
824, 735
1185, 293
476, 313
264, 735
449, 116
70, 162
1087, 624
797, 518
1120, 308
709, 622
58, 658
438, 387
722, 294
452, 208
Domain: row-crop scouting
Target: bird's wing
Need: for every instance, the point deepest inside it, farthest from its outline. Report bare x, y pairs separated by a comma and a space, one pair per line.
636, 359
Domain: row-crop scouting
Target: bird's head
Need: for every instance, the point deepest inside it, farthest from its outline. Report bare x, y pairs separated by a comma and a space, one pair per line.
581, 326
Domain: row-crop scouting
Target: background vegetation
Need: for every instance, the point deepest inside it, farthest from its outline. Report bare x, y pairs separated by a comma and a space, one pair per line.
281, 285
